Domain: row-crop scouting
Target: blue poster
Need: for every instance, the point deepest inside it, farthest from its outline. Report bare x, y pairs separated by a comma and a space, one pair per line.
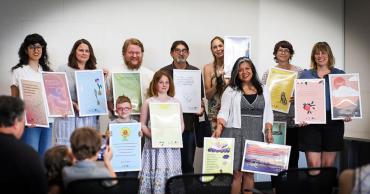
125, 143
91, 95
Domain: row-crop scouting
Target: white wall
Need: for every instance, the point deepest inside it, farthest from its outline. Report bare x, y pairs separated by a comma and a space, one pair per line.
106, 24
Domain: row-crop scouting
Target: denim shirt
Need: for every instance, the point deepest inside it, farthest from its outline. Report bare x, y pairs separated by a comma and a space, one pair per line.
312, 74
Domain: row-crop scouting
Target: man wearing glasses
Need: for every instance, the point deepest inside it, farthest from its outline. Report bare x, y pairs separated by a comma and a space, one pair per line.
180, 53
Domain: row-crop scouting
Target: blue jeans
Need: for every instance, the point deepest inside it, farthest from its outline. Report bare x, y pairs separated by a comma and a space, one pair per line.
39, 138
188, 151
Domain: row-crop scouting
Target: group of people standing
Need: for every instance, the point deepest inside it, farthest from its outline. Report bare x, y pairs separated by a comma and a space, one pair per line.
238, 107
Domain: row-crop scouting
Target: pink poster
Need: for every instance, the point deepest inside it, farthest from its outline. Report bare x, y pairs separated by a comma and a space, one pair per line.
309, 100
32, 94
345, 96
57, 94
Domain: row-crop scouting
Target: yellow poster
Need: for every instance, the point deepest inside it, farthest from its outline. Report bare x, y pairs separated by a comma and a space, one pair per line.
165, 121
218, 155
281, 85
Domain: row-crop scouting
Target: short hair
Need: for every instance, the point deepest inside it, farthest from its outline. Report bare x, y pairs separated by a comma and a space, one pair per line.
123, 99
85, 142
56, 158
132, 41
152, 91
323, 47
72, 60
11, 108
283, 44
178, 42
236, 83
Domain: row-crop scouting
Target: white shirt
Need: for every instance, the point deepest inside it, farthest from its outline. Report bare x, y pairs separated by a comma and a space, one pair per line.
27, 73
231, 111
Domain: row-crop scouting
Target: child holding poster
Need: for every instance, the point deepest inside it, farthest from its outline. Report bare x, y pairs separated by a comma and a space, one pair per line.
123, 110
158, 164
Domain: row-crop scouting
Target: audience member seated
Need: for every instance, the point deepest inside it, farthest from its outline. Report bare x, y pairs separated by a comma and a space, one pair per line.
86, 143
355, 181
21, 169
55, 159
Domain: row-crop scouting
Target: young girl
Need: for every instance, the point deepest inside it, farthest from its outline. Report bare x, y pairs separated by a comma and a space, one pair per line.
33, 60
159, 164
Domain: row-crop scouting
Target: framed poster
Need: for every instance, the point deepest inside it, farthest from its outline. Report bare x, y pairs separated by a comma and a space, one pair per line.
235, 47
91, 95
33, 95
281, 84
128, 84
125, 143
188, 89
264, 158
345, 96
57, 94
165, 121
279, 132
310, 101
218, 155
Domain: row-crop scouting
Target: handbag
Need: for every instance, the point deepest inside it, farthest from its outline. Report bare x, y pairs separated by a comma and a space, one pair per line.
202, 129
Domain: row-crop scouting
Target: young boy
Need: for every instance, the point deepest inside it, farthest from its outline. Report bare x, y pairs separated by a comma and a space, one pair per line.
86, 143
123, 110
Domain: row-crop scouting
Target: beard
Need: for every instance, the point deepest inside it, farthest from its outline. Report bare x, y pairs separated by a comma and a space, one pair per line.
133, 66
180, 60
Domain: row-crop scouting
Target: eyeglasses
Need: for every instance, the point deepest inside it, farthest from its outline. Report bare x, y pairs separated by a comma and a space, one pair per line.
35, 47
283, 50
134, 53
179, 51
123, 108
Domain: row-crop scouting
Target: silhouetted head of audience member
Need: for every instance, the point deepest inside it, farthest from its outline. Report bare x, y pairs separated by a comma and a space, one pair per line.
11, 116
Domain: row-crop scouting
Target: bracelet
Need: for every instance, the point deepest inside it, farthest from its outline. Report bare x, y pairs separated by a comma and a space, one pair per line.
266, 130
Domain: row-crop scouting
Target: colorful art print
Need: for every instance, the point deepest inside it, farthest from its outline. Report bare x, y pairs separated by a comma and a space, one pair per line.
57, 94
264, 158
218, 155
279, 132
345, 96
235, 47
91, 95
128, 84
310, 102
33, 96
188, 89
281, 84
165, 122
125, 143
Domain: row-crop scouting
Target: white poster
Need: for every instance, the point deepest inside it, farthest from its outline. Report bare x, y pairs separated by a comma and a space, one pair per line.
235, 47
188, 89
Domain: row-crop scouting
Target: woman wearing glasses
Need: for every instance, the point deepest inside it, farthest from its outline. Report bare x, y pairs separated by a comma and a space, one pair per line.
245, 110
33, 60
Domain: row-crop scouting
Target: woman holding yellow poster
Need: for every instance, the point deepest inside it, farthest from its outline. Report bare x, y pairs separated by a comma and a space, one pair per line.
280, 80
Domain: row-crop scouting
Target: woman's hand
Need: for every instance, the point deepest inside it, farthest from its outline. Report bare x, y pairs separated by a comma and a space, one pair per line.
347, 119
268, 133
220, 125
302, 124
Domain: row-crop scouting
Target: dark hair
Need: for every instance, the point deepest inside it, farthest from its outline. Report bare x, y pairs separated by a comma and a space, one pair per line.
11, 108
152, 91
85, 142
32, 39
132, 41
178, 42
72, 60
236, 83
283, 44
56, 158
123, 99
323, 47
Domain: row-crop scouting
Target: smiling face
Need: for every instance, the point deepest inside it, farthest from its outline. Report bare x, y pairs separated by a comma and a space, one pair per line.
180, 54
133, 56
123, 110
34, 52
163, 85
245, 72
283, 55
321, 58
217, 48
82, 53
